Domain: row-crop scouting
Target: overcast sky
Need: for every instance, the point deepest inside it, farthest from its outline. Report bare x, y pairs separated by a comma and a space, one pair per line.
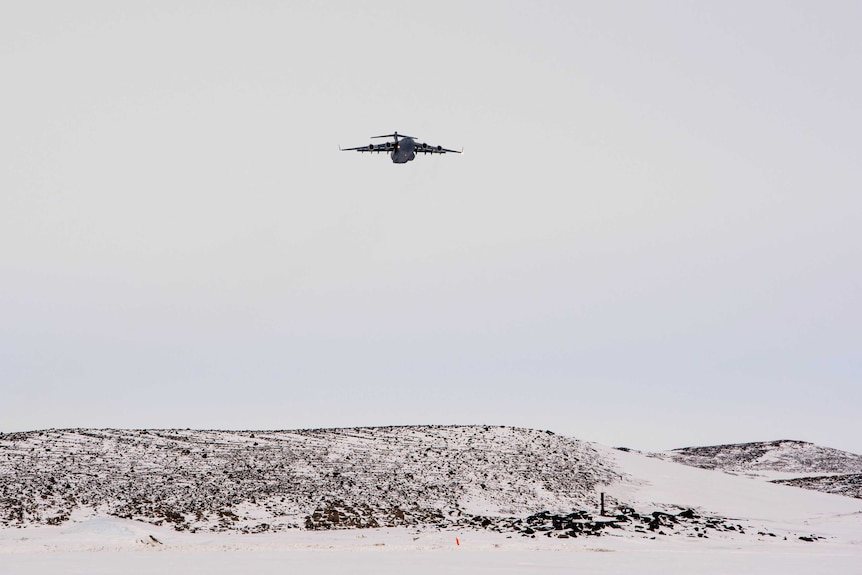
653, 239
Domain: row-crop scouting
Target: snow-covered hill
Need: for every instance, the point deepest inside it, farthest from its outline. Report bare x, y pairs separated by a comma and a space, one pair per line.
784, 456
787, 462
499, 479
357, 477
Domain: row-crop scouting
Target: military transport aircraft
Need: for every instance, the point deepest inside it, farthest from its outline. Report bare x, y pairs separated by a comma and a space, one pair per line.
403, 149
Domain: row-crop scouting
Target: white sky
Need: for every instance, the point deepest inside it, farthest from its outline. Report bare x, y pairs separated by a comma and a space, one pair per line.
653, 239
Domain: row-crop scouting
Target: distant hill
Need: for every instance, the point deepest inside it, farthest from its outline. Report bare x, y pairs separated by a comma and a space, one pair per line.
786, 456
809, 463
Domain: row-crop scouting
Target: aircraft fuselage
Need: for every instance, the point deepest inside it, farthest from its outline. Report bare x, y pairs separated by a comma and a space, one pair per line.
405, 151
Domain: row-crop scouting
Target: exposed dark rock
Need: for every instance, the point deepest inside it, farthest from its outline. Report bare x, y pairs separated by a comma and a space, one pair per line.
849, 484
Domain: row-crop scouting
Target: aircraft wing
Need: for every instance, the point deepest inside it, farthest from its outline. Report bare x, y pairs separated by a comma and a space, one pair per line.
384, 147
427, 149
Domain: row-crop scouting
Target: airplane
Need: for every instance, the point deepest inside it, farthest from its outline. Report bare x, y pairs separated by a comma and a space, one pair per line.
402, 150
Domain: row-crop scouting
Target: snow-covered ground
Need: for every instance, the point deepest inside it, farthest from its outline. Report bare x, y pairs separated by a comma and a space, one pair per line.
110, 545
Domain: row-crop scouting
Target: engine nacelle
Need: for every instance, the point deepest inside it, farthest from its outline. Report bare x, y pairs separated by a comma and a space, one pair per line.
371, 146
439, 148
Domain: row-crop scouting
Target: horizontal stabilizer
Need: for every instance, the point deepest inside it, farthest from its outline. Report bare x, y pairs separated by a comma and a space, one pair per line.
395, 135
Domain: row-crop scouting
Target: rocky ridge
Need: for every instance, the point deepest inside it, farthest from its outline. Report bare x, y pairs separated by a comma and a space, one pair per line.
786, 456
849, 485
271, 480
